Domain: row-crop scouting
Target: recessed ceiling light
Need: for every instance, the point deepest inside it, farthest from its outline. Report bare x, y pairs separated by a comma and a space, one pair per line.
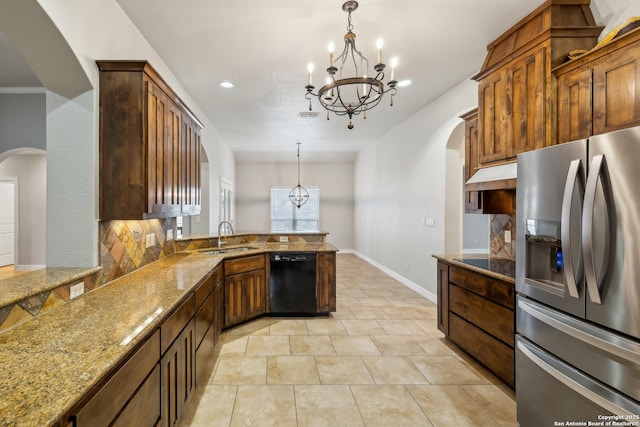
225, 84
404, 83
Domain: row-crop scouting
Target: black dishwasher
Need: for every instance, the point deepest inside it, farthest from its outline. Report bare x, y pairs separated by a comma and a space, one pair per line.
292, 289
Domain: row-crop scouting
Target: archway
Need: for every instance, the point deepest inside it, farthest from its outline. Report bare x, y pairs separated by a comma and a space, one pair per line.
70, 134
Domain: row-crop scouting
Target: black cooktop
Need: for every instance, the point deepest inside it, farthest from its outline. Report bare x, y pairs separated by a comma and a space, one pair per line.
497, 265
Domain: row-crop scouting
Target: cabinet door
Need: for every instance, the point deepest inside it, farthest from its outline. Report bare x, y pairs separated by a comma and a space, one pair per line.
163, 134
494, 118
473, 199
443, 298
190, 166
526, 91
574, 105
326, 282
218, 301
177, 377
616, 90
244, 297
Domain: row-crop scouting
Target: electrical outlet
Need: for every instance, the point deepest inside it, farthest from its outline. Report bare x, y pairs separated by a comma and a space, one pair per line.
151, 240
169, 235
507, 236
284, 239
76, 290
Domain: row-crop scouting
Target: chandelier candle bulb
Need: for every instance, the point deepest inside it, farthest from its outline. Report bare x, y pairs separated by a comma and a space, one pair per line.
379, 44
331, 49
394, 64
310, 69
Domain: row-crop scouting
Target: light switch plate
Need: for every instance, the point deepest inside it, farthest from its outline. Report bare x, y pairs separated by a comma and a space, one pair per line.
170, 235
76, 290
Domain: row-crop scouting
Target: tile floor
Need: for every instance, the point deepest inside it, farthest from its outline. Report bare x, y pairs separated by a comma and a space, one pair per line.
378, 361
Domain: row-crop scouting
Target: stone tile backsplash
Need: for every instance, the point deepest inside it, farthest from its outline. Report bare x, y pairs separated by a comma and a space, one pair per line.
123, 245
497, 245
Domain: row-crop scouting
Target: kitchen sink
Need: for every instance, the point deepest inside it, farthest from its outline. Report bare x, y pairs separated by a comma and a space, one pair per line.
220, 251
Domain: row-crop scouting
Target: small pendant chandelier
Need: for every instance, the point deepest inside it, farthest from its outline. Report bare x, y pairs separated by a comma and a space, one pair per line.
299, 195
351, 95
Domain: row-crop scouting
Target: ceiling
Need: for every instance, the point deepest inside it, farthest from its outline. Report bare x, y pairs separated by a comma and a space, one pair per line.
264, 47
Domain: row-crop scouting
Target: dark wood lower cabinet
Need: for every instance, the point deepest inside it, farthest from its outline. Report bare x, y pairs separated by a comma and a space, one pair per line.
476, 312
130, 394
326, 282
177, 376
245, 289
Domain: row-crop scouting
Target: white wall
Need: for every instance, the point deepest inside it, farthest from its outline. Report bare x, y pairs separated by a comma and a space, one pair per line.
336, 183
400, 180
22, 121
30, 171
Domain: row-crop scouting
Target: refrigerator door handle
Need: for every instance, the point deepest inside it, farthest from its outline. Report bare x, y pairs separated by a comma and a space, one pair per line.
570, 271
587, 228
572, 384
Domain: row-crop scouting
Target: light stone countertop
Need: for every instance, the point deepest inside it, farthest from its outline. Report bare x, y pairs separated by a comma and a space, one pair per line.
34, 282
50, 362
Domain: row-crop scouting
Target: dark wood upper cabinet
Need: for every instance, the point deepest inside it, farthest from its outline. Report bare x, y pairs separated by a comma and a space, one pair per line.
149, 145
516, 91
600, 91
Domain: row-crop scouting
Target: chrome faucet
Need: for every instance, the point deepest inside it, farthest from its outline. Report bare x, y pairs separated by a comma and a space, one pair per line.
222, 223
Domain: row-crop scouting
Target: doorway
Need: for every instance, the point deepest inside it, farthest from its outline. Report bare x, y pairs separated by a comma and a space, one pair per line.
8, 215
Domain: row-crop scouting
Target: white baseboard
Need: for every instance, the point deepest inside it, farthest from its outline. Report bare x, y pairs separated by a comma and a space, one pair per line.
408, 283
28, 267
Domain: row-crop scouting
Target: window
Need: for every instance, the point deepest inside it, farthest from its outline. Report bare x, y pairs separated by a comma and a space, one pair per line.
285, 217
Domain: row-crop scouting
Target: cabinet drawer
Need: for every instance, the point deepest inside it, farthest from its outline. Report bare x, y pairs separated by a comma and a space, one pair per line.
242, 265
493, 354
172, 327
500, 292
144, 409
492, 318
110, 399
204, 290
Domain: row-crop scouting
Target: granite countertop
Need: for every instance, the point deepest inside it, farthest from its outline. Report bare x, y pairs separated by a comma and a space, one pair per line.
499, 268
254, 233
35, 282
53, 360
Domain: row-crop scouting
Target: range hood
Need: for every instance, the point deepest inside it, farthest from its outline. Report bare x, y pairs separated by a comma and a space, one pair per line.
501, 177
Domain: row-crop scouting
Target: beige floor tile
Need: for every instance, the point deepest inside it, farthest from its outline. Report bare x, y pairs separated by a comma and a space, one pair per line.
292, 370
288, 327
450, 405
347, 301
325, 327
375, 302
400, 327
215, 410
234, 370
430, 327
264, 406
446, 370
326, 406
393, 370
255, 327
233, 345
342, 370
363, 327
499, 401
354, 345
260, 345
311, 345
342, 313
408, 313
433, 346
388, 405
369, 313
397, 345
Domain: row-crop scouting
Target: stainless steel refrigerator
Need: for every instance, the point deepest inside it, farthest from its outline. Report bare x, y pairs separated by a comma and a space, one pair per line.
578, 283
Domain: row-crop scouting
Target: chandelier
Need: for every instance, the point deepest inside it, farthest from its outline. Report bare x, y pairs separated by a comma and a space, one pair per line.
350, 95
299, 195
